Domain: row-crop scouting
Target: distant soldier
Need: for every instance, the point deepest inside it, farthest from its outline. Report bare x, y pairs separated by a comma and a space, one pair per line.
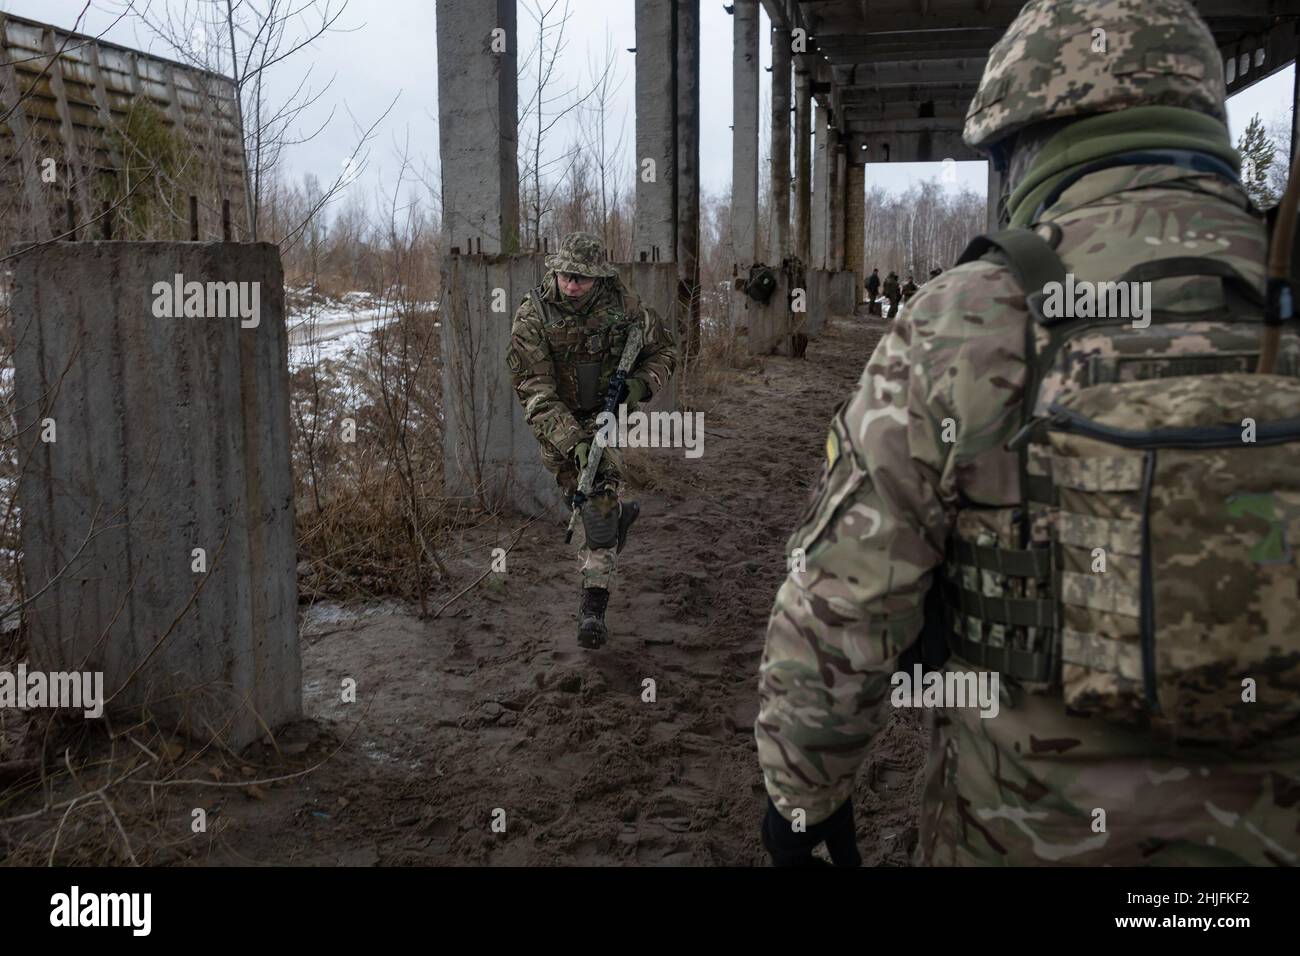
873, 291
565, 346
893, 293
909, 289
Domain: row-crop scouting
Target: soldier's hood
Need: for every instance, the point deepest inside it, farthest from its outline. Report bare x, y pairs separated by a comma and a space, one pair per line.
1095, 140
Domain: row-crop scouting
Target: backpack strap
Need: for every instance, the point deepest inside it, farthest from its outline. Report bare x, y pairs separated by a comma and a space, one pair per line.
1031, 257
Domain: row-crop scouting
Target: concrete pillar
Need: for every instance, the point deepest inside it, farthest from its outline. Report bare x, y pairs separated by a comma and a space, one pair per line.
802, 164
744, 135
688, 171
158, 526
837, 206
654, 230
994, 196
855, 222
478, 125
1295, 96
780, 227
819, 234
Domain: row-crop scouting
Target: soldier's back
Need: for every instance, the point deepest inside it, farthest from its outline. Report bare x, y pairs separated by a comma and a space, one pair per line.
1037, 784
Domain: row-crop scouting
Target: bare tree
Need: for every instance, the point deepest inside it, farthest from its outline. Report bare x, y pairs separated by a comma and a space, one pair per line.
604, 147
542, 112
251, 39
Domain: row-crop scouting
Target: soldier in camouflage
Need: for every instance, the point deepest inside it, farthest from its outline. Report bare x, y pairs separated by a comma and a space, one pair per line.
893, 292
1109, 120
565, 345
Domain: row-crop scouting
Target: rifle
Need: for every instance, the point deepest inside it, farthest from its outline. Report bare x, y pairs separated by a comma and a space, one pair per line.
631, 349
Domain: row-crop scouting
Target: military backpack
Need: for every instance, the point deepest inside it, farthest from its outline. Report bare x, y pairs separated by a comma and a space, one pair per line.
1155, 580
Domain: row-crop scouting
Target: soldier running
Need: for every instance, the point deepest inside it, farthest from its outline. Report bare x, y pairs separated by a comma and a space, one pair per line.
565, 345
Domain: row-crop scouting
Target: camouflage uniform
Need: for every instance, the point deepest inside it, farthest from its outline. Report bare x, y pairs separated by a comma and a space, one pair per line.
894, 496
561, 357
873, 291
892, 293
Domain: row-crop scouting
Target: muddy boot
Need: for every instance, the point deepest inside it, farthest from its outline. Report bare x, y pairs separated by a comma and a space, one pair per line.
591, 618
626, 516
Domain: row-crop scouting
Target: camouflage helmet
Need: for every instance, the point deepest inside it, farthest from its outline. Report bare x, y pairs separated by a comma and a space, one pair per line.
1062, 58
581, 254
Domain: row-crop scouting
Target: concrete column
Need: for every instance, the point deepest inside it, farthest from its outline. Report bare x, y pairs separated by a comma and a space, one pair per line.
820, 217
158, 526
654, 230
1295, 96
780, 227
478, 125
802, 164
995, 193
855, 221
837, 206
688, 170
744, 134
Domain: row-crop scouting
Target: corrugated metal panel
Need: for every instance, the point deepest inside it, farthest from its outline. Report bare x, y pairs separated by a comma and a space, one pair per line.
71, 92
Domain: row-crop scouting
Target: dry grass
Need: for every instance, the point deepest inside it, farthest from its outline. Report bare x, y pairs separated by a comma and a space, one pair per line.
128, 790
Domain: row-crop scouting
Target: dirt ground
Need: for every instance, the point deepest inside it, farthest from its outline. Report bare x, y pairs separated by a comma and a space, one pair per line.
493, 706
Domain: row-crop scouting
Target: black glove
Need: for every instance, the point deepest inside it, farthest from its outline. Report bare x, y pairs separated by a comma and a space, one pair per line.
789, 848
632, 393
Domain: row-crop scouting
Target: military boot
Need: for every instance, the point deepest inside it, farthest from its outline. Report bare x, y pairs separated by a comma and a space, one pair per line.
591, 618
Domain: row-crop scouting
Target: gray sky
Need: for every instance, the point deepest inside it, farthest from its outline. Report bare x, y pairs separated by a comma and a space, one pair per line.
389, 50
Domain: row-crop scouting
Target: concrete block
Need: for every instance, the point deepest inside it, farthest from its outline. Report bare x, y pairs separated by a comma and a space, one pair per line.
171, 434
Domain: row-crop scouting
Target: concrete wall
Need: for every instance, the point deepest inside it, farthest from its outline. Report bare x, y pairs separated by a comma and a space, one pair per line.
769, 323
171, 434
488, 447
829, 294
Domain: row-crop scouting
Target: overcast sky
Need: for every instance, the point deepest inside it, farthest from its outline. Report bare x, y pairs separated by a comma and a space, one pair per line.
389, 50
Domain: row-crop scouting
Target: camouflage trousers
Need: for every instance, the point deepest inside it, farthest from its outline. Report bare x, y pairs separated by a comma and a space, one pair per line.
598, 564
1097, 796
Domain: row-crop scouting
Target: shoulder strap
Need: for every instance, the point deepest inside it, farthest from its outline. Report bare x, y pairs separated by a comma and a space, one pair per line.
1031, 257
539, 302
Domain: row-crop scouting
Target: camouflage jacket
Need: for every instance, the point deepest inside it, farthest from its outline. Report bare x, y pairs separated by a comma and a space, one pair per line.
561, 361
1022, 786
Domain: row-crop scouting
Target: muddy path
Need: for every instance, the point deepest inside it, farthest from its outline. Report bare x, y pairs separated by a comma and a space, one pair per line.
493, 707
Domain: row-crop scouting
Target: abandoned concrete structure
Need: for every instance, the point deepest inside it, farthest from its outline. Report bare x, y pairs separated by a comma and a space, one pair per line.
78, 103
173, 436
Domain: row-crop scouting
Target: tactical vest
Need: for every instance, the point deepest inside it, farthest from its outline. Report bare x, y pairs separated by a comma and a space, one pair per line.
585, 349
1149, 572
